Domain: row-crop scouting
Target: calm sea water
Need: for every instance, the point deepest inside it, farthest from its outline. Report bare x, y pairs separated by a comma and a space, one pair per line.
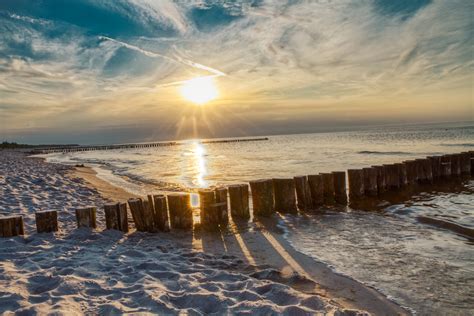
428, 269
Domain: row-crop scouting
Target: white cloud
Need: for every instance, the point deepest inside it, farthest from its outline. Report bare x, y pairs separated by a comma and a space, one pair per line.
296, 58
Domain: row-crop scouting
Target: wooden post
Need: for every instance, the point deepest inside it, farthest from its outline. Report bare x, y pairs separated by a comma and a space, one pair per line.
303, 193
285, 195
472, 166
381, 182
239, 201
116, 216
445, 169
392, 177
46, 221
410, 167
161, 213
262, 197
137, 210
428, 170
181, 212
465, 161
370, 181
223, 209
356, 184
420, 171
209, 211
85, 217
455, 165
316, 187
148, 214
435, 166
328, 188
142, 214
402, 174
11, 226
340, 191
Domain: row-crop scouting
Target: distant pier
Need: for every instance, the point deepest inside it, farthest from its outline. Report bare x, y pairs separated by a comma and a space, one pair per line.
68, 148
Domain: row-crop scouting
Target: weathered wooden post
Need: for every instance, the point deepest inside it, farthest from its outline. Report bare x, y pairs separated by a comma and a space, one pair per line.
381, 181
328, 188
285, 195
262, 197
445, 169
116, 216
46, 221
411, 169
340, 191
316, 187
181, 212
11, 226
85, 217
420, 171
148, 214
427, 170
137, 211
209, 211
222, 205
303, 193
455, 165
239, 200
370, 181
392, 176
356, 184
402, 174
465, 162
161, 212
472, 166
435, 166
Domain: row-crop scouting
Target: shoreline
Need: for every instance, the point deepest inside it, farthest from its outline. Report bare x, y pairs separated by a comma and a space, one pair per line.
262, 244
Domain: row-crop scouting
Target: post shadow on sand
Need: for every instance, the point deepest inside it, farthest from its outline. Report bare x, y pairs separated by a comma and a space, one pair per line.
268, 256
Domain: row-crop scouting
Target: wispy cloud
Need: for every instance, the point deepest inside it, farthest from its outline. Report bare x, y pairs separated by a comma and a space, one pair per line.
176, 59
300, 60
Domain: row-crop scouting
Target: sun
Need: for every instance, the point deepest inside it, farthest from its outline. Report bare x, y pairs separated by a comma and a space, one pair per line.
199, 90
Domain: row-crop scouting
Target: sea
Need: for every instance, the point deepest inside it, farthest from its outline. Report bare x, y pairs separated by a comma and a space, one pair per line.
426, 268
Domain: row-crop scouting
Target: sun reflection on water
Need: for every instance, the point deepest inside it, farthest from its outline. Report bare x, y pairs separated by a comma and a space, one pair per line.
199, 153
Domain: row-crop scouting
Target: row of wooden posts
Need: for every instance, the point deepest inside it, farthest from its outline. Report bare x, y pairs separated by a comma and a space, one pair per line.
289, 195
67, 149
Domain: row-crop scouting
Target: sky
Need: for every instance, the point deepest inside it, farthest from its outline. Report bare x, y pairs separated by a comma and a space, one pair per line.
98, 71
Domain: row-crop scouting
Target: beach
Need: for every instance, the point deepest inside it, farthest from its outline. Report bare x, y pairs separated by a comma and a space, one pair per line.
247, 157
104, 271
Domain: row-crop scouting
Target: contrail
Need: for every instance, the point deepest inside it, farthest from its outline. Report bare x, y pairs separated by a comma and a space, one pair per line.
178, 60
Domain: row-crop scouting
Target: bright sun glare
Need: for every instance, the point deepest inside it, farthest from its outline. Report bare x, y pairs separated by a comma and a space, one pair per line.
199, 90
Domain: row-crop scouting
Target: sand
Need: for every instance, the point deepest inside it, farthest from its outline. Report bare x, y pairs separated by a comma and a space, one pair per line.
248, 269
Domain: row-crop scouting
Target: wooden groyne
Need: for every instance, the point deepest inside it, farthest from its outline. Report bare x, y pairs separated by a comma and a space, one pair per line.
268, 196
68, 148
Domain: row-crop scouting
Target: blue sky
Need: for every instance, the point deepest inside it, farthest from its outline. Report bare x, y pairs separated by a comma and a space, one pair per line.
85, 71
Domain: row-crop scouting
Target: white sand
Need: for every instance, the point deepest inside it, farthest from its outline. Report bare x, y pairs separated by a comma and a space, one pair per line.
78, 271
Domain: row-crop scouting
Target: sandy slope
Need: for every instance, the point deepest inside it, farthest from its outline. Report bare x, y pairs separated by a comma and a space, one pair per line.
79, 271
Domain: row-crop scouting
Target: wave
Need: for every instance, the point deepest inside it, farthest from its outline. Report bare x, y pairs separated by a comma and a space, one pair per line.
459, 145
370, 152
